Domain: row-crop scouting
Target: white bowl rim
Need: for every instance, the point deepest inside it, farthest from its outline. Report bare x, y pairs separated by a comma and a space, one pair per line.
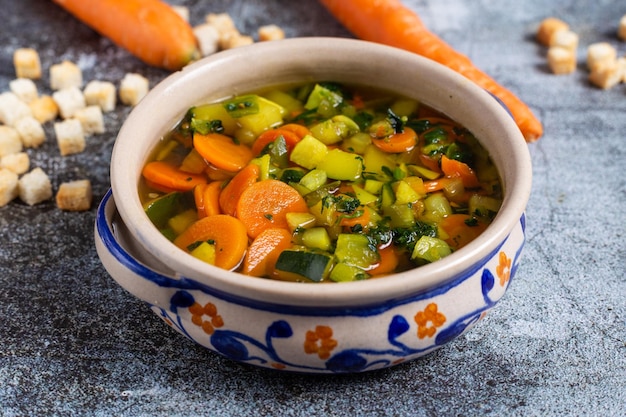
124, 186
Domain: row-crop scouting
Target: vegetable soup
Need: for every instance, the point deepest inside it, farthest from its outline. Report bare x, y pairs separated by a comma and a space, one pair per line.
319, 182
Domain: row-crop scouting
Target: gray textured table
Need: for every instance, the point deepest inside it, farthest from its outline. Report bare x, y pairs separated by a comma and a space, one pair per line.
74, 343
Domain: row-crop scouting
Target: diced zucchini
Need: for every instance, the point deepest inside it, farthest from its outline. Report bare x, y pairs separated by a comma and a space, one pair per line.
387, 196
180, 222
285, 100
363, 196
357, 143
216, 111
355, 250
323, 97
309, 152
335, 129
260, 114
314, 266
297, 221
342, 272
325, 216
162, 208
342, 165
405, 194
373, 186
314, 179
484, 206
423, 172
430, 249
375, 159
292, 175
205, 251
401, 215
264, 164
316, 238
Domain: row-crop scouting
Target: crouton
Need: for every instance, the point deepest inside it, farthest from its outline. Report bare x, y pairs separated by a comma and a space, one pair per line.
561, 60
133, 88
237, 40
65, 75
221, 21
44, 109
70, 136
91, 119
8, 186
182, 11
600, 54
565, 39
101, 93
74, 195
12, 108
31, 132
69, 100
16, 162
270, 33
10, 141
621, 31
208, 38
27, 64
548, 27
24, 88
606, 76
34, 187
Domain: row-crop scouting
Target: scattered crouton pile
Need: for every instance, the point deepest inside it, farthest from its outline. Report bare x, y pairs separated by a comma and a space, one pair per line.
606, 69
75, 114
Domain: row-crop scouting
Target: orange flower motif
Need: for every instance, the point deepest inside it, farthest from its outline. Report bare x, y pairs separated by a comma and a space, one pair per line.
213, 320
504, 269
320, 341
429, 315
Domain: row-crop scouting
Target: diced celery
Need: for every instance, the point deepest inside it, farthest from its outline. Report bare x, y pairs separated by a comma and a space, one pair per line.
342, 165
205, 252
216, 111
300, 221
405, 194
316, 238
387, 196
400, 215
335, 129
309, 152
430, 249
342, 272
180, 222
437, 205
355, 250
314, 179
363, 196
357, 143
375, 159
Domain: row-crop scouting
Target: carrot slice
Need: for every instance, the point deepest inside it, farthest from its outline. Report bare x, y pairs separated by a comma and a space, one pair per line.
437, 185
165, 176
222, 152
229, 196
459, 232
228, 234
264, 250
206, 197
392, 23
265, 204
388, 262
299, 130
269, 136
398, 142
453, 168
149, 29
362, 219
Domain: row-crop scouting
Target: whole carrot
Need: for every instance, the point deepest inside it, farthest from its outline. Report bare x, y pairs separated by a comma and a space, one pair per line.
149, 29
390, 22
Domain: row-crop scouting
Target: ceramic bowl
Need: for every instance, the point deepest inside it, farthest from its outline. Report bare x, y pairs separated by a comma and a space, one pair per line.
314, 328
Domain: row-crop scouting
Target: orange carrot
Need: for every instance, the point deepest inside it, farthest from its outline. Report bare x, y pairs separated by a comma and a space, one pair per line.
167, 177
149, 29
229, 197
388, 261
265, 204
269, 136
299, 130
390, 22
221, 151
206, 197
226, 232
363, 219
437, 185
398, 142
264, 250
453, 168
459, 232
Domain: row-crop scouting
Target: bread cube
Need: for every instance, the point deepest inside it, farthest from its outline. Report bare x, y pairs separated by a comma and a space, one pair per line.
270, 33
34, 187
12, 108
91, 119
621, 31
565, 39
621, 64
24, 88
101, 93
182, 11
236, 40
606, 76
65, 75
70, 136
16, 162
208, 38
561, 60
600, 54
548, 28
44, 109
74, 195
10, 141
133, 88
69, 100
221, 21
31, 132
27, 64
8, 186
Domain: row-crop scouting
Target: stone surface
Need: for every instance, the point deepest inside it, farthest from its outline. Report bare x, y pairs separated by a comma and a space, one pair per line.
74, 343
